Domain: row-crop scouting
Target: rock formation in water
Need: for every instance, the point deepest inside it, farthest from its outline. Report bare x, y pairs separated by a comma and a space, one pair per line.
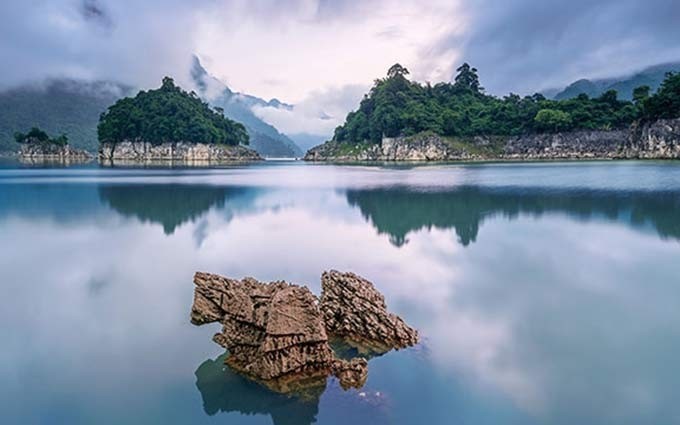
354, 311
276, 333
184, 152
45, 152
655, 140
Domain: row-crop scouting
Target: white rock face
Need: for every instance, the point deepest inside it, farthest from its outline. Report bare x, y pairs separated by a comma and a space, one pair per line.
656, 140
35, 153
180, 152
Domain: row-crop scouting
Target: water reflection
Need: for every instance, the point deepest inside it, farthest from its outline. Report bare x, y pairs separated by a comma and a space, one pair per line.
399, 211
223, 390
564, 310
170, 205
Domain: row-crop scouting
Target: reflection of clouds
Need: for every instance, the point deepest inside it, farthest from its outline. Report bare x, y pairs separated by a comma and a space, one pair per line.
572, 320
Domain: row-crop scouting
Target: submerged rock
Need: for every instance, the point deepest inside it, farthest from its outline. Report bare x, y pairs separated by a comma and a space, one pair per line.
276, 333
354, 311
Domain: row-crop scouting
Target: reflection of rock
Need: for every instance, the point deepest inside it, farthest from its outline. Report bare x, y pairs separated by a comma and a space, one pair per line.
351, 373
276, 334
225, 391
399, 211
355, 311
169, 204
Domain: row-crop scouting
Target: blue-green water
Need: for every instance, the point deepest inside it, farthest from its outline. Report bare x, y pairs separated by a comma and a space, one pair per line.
545, 293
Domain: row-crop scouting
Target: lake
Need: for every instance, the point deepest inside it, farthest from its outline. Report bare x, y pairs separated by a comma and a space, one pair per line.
545, 293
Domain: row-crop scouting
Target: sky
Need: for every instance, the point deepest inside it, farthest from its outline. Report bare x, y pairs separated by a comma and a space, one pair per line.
322, 55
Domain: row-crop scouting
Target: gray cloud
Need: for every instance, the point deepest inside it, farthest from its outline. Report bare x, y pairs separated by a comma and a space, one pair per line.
129, 41
520, 45
93, 11
291, 49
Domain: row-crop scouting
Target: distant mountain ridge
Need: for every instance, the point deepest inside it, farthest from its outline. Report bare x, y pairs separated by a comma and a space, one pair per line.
264, 138
58, 106
651, 76
73, 107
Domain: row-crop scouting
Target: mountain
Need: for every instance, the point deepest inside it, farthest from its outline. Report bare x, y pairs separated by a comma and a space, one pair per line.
306, 141
264, 138
74, 106
652, 77
57, 106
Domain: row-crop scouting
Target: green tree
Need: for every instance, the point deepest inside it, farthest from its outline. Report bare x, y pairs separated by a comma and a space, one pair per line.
468, 79
551, 120
168, 114
397, 70
665, 103
641, 94
38, 136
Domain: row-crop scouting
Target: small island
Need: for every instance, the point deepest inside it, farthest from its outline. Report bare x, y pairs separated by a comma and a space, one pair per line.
169, 124
38, 147
402, 120
284, 337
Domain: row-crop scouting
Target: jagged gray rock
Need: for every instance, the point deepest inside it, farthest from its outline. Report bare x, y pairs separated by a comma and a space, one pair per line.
277, 335
354, 311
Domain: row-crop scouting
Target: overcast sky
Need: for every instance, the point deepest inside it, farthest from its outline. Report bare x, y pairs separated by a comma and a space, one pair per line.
302, 50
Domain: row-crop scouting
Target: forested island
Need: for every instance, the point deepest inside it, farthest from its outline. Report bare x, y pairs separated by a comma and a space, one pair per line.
170, 124
38, 146
401, 119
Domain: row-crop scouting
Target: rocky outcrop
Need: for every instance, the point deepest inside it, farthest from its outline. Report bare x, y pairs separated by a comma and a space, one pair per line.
176, 152
425, 147
273, 331
355, 312
572, 145
49, 152
276, 333
656, 140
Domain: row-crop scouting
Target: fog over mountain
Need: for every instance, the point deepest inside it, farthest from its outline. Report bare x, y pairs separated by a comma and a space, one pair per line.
318, 57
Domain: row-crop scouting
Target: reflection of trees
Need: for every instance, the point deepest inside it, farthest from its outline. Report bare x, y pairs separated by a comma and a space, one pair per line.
398, 211
168, 204
224, 390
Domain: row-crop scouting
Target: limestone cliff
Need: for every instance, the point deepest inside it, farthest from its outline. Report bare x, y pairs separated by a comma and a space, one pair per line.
47, 152
656, 140
178, 151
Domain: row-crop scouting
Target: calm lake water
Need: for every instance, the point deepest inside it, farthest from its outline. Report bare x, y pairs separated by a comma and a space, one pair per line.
546, 293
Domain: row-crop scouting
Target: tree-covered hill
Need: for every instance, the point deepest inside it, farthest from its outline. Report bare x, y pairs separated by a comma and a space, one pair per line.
36, 136
168, 114
396, 106
73, 107
58, 107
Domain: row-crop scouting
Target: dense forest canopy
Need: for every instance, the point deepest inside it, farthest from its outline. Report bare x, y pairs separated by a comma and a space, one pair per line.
37, 136
168, 114
396, 106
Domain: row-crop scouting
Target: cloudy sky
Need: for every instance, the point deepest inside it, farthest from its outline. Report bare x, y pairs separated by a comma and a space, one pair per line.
310, 52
